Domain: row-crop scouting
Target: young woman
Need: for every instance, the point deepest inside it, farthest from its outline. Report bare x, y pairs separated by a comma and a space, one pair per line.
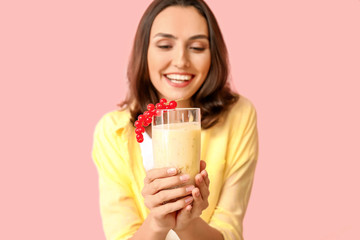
178, 53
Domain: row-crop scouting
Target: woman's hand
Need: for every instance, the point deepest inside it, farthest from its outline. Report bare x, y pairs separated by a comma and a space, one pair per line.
162, 197
200, 203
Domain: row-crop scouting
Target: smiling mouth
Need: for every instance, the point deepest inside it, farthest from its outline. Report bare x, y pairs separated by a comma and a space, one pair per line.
178, 78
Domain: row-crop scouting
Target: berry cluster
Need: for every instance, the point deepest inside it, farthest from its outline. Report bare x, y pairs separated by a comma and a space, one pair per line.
146, 118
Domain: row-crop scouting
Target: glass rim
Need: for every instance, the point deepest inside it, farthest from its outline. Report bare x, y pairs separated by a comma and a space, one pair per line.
179, 109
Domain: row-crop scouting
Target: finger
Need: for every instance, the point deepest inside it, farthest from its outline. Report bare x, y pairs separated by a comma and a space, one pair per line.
199, 203
156, 173
173, 206
196, 194
202, 165
205, 176
169, 195
184, 213
188, 209
160, 184
201, 184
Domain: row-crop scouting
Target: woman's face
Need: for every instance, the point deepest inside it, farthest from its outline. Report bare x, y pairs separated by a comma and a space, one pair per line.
179, 54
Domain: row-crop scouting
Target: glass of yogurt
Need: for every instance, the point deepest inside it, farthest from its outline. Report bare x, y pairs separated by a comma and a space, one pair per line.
176, 140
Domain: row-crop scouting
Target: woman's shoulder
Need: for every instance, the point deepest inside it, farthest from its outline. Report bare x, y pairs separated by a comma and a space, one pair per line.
243, 108
114, 120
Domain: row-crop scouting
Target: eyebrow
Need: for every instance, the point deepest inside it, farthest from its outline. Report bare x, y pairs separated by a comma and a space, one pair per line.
167, 35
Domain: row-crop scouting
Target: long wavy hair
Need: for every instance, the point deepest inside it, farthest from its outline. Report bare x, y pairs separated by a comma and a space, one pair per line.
214, 97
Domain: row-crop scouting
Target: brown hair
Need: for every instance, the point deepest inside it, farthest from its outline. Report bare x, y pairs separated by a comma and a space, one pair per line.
214, 97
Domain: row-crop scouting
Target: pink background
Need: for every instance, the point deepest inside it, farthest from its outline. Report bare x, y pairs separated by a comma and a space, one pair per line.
63, 65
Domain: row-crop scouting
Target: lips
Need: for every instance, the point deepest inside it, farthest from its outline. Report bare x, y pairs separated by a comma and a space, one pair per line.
179, 80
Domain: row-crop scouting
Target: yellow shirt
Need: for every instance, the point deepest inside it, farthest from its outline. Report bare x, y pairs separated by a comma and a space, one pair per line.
230, 149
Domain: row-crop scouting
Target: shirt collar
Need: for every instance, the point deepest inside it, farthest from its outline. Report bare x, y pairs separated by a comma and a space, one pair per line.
123, 121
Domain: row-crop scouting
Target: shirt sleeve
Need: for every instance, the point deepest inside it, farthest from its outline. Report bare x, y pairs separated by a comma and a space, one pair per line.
120, 216
241, 161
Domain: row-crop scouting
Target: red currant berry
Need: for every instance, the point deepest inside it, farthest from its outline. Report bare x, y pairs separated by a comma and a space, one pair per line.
153, 112
148, 120
159, 106
139, 135
138, 130
163, 101
158, 112
138, 124
142, 129
146, 124
141, 118
172, 104
150, 107
167, 107
140, 140
146, 114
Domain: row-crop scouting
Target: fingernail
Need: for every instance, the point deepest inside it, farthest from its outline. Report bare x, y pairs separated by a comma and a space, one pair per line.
184, 178
189, 199
189, 189
171, 170
197, 193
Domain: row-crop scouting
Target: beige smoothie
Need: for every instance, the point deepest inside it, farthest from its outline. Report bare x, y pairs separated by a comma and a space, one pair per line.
178, 145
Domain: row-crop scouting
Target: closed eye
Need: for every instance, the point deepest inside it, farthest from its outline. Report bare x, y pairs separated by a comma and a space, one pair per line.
198, 49
164, 46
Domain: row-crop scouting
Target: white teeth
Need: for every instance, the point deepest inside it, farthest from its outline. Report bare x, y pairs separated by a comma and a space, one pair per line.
176, 81
178, 77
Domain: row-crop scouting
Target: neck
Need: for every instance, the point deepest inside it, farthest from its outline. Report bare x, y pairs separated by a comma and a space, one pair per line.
183, 103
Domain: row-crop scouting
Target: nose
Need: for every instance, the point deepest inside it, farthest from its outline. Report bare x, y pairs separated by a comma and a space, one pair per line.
181, 59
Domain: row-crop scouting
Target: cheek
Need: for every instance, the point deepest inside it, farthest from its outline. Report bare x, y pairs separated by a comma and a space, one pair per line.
202, 64
157, 65
151, 62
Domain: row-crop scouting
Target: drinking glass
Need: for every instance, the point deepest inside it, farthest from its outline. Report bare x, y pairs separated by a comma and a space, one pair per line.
176, 140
